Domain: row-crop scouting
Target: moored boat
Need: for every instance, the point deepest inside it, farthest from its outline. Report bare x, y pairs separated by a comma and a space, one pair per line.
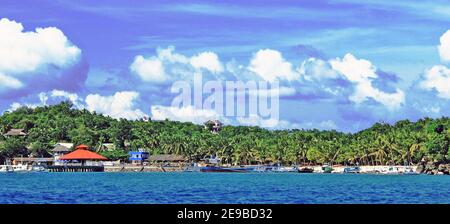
284, 169
209, 168
354, 169
306, 170
326, 168
6, 169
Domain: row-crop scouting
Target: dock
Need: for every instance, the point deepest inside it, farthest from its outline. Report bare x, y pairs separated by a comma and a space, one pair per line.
75, 168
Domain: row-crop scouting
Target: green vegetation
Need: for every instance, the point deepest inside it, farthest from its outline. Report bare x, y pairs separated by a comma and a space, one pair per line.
403, 142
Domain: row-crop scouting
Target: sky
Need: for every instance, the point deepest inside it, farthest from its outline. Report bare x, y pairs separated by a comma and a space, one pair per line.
340, 64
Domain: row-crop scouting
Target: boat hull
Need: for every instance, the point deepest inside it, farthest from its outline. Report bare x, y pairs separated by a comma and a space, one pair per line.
216, 169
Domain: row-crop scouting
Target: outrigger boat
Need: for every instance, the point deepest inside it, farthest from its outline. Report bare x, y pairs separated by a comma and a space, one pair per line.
306, 170
327, 168
209, 168
13, 168
354, 169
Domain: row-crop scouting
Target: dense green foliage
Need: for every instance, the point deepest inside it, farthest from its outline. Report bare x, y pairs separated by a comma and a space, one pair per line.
403, 142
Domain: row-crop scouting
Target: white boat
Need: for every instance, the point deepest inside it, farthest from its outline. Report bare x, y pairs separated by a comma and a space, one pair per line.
399, 170
410, 171
6, 169
20, 168
284, 169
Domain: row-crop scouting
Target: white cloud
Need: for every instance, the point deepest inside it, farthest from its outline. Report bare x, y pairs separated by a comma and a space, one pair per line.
270, 66
9, 82
328, 125
444, 47
207, 60
256, 120
167, 65
28, 52
438, 79
185, 114
361, 72
149, 69
119, 105
73, 97
317, 69
355, 70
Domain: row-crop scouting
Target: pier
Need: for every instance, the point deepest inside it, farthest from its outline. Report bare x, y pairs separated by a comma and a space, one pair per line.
76, 168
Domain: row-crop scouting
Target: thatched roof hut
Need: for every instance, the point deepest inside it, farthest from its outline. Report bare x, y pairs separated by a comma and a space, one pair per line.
60, 148
166, 158
16, 132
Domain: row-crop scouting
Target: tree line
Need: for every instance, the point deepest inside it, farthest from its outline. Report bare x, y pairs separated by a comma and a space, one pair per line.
404, 142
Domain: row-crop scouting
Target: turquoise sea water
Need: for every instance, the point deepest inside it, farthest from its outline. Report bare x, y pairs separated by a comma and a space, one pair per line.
221, 188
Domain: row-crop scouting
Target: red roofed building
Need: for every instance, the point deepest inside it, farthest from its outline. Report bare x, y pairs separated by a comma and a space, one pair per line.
82, 154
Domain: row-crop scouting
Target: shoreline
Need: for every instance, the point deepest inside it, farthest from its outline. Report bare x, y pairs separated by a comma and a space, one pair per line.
317, 169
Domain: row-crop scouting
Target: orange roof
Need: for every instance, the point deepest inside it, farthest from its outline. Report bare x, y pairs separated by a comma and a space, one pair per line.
81, 154
82, 147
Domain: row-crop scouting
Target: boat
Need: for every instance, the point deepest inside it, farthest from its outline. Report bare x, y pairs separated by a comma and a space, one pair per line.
37, 168
210, 168
399, 171
284, 169
20, 168
13, 168
327, 168
354, 169
6, 169
306, 170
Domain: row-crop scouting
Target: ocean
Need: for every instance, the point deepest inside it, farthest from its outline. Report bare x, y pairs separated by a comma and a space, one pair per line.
170, 188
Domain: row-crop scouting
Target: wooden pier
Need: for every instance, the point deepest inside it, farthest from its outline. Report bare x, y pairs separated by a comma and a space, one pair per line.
76, 168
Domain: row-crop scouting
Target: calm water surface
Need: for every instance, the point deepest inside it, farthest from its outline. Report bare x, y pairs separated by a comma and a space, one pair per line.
221, 188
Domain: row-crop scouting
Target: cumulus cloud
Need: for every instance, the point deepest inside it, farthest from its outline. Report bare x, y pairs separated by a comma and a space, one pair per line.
184, 114
256, 120
317, 69
9, 82
167, 65
73, 97
119, 105
270, 66
361, 72
438, 79
149, 69
24, 54
207, 60
444, 47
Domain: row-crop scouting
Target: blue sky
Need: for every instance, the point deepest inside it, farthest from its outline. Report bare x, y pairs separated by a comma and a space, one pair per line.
351, 63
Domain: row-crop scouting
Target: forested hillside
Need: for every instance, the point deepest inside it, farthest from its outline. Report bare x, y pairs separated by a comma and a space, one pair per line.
403, 142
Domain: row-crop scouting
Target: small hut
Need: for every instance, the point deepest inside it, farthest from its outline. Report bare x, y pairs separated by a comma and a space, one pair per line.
15, 132
213, 125
167, 159
59, 150
84, 156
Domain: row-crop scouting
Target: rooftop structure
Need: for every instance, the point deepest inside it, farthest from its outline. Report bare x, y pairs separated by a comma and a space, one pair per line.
60, 150
213, 125
82, 154
16, 132
166, 158
138, 156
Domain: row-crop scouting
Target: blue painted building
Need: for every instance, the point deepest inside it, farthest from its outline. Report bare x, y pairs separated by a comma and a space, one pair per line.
138, 156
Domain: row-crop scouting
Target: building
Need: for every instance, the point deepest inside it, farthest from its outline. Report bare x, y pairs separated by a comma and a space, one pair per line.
213, 125
138, 157
60, 150
167, 159
83, 156
32, 161
15, 132
107, 147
